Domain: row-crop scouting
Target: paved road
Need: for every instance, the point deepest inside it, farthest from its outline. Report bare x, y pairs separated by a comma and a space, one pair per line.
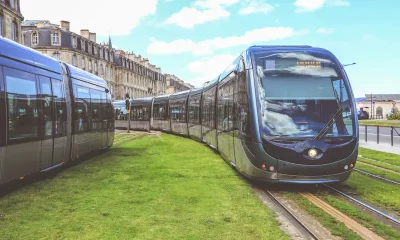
384, 135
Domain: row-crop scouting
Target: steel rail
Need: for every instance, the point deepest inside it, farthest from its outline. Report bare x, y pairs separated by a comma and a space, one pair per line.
305, 228
364, 205
376, 176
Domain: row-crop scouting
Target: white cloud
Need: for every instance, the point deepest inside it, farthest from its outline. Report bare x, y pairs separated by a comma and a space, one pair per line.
205, 47
312, 5
255, 6
325, 30
105, 16
308, 5
202, 11
188, 17
208, 68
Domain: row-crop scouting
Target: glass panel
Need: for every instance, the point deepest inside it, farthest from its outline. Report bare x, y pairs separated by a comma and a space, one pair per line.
82, 109
300, 93
23, 105
1, 25
95, 97
60, 108
47, 106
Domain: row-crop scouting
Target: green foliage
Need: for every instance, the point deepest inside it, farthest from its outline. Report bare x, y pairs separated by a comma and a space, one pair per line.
395, 116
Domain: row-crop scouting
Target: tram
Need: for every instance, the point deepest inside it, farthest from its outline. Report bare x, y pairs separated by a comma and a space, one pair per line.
51, 113
276, 114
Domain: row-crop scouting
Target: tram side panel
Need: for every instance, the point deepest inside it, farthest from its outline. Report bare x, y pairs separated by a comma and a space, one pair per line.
161, 115
209, 132
178, 116
30, 110
194, 126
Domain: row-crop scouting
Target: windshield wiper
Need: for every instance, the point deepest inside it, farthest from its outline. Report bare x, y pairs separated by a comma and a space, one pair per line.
326, 128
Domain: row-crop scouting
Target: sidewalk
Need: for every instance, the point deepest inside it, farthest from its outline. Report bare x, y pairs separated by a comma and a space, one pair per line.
380, 147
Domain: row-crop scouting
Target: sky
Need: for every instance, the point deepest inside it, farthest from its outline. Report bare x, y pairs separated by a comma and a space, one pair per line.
197, 39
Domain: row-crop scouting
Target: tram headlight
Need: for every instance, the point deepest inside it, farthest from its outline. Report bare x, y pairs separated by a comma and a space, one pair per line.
346, 167
312, 153
271, 168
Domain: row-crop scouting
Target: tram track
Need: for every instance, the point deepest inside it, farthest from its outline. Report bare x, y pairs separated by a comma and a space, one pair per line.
363, 204
376, 176
300, 226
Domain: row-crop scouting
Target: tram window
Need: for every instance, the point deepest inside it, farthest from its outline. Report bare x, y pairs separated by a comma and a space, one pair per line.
47, 105
60, 116
23, 105
95, 98
104, 110
82, 108
2, 110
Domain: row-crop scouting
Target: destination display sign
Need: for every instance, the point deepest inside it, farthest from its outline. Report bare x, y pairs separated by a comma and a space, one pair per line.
278, 64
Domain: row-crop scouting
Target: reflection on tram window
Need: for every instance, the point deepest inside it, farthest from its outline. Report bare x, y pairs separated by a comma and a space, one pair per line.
47, 105
60, 109
140, 113
160, 111
82, 108
23, 105
194, 110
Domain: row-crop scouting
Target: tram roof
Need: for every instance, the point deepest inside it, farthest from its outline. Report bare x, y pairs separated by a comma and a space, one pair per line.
11, 49
182, 94
79, 74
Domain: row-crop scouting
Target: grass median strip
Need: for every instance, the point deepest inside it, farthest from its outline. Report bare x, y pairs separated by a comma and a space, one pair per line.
385, 123
393, 159
155, 187
380, 228
337, 228
379, 172
374, 191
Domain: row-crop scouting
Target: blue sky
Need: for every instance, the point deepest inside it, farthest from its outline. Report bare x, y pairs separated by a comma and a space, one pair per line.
196, 40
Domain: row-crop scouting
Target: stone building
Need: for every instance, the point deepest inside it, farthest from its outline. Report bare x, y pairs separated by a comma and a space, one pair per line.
11, 20
380, 106
124, 71
175, 84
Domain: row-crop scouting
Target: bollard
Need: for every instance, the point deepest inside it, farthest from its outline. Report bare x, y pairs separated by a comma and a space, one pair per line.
377, 134
391, 135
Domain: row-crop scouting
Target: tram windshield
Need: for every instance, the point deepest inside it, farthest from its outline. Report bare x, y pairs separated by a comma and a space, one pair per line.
302, 96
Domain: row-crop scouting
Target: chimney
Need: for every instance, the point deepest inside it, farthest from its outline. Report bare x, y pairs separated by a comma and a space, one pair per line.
93, 37
65, 25
85, 33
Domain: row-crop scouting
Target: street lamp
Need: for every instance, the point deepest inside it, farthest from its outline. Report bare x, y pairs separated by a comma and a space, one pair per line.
345, 65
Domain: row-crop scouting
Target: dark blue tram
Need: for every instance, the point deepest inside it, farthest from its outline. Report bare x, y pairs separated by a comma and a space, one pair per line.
51, 113
277, 114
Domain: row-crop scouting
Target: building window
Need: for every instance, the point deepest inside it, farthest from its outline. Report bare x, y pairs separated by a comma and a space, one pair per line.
74, 60
14, 32
83, 62
35, 38
1, 25
101, 53
56, 38
101, 69
95, 49
95, 67
82, 45
12, 4
56, 55
106, 71
90, 65
73, 41
89, 48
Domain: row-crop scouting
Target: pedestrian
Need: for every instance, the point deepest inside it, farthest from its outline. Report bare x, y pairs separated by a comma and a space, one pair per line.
395, 110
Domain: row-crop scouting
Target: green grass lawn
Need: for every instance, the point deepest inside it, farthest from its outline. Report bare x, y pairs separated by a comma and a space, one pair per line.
379, 172
384, 123
382, 194
154, 187
381, 159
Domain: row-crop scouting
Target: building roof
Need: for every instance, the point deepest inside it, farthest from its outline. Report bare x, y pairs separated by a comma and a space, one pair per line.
383, 97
